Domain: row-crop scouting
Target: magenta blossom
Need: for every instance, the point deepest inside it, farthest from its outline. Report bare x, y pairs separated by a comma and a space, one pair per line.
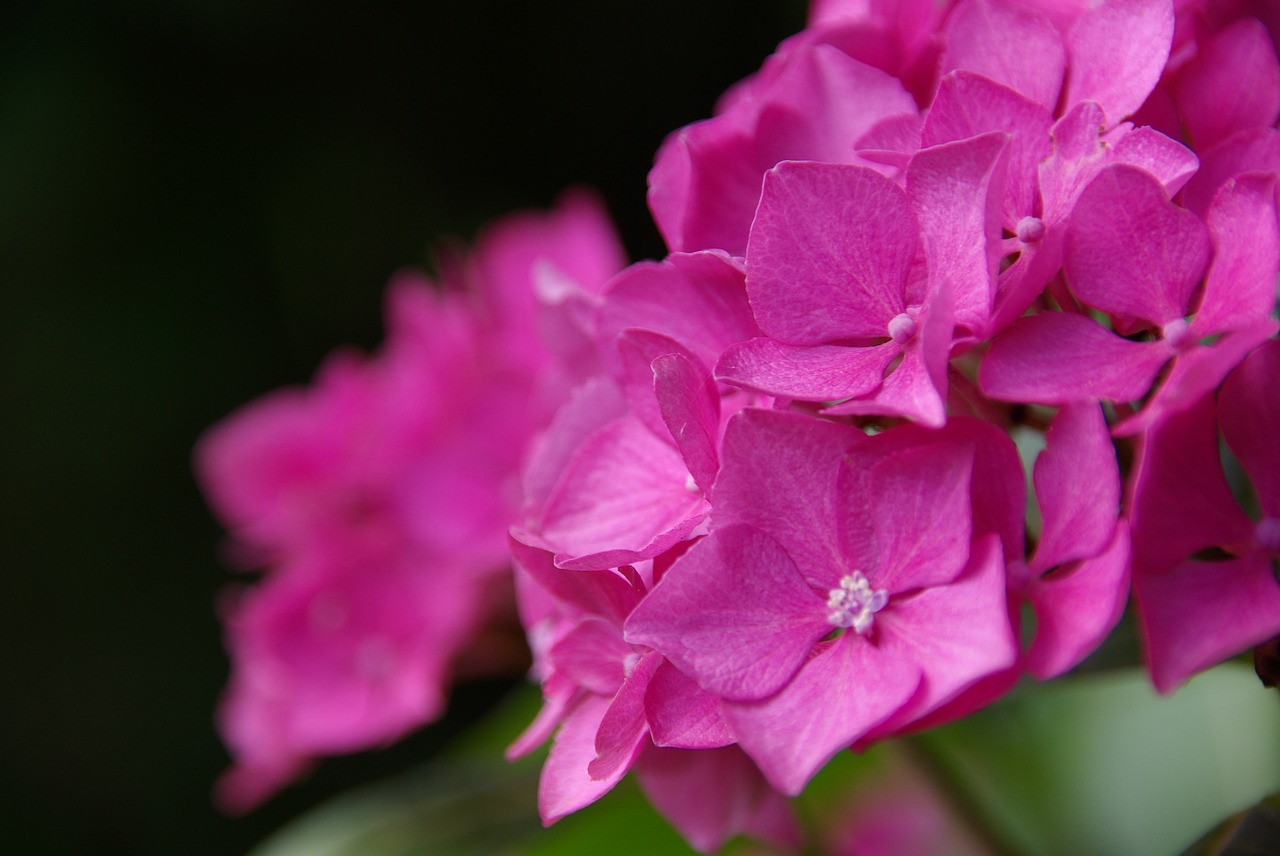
1204, 570
839, 594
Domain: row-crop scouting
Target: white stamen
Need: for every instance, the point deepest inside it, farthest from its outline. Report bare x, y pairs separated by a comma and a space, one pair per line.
902, 327
1177, 332
854, 604
1030, 230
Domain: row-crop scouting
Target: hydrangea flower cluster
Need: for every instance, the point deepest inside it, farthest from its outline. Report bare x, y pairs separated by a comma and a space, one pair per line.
771, 499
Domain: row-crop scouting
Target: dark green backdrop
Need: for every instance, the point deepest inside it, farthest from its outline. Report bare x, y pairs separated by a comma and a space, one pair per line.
198, 200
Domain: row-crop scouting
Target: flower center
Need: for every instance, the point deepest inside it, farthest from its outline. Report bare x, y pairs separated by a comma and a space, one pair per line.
854, 603
903, 325
1030, 230
1177, 333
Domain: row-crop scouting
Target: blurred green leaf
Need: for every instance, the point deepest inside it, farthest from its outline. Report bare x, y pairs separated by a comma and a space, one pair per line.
1101, 764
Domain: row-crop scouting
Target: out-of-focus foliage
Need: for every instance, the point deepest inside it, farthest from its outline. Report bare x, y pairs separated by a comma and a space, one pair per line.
1060, 768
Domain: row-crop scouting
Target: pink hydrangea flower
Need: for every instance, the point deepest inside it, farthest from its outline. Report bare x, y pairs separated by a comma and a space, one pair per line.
837, 596
1204, 570
378, 499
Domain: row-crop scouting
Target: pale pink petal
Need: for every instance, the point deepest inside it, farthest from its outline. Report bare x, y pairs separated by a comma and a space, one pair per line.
558, 693
681, 714
1077, 483
808, 373
591, 654
712, 795
847, 688
1116, 52
624, 729
734, 614
1249, 410
1008, 43
1077, 607
1198, 614
1057, 358
588, 409
1132, 253
1232, 84
565, 785
625, 491
831, 253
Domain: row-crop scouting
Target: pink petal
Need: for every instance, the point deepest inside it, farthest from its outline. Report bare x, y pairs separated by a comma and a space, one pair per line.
565, 785
705, 183
1254, 150
588, 409
831, 253
623, 729
558, 693
588, 514
710, 796
606, 593
778, 474
807, 373
1132, 253
1009, 44
591, 655
905, 516
1201, 613
916, 389
699, 300
734, 614
1196, 372
848, 687
1241, 285
690, 406
956, 634
681, 714
968, 105
637, 350
1181, 502
957, 190
1057, 358
1116, 52
1232, 84
1077, 484
1168, 160
1249, 410
1077, 608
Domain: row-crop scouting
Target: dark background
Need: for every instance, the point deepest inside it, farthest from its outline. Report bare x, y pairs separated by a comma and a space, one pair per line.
198, 200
